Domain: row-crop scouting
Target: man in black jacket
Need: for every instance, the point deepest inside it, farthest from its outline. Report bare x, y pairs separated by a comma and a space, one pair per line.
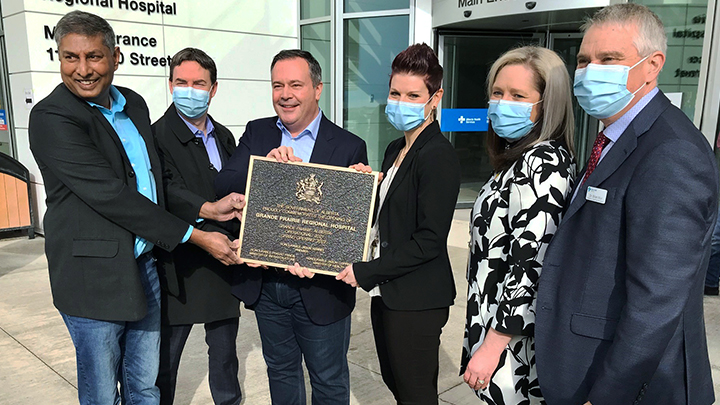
105, 212
299, 319
196, 287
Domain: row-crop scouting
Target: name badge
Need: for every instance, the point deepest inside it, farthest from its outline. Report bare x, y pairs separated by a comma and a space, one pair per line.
597, 195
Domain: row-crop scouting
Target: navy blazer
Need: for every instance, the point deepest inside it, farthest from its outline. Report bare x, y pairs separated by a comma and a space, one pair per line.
326, 299
620, 299
94, 210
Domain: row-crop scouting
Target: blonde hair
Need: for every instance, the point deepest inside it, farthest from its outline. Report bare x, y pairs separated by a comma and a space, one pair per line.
552, 81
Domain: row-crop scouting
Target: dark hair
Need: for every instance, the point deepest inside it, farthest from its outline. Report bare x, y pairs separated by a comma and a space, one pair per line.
194, 55
89, 25
315, 70
419, 60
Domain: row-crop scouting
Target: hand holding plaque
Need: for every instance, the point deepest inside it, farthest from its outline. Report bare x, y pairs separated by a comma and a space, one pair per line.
315, 215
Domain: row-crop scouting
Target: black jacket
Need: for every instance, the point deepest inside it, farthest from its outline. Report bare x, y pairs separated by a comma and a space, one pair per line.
196, 287
94, 210
326, 299
413, 269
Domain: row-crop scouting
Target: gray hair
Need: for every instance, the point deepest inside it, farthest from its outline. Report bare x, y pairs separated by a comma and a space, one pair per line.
315, 70
82, 23
552, 82
651, 32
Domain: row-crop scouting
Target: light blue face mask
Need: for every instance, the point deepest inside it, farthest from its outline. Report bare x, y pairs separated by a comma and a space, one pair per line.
406, 116
191, 102
601, 90
510, 119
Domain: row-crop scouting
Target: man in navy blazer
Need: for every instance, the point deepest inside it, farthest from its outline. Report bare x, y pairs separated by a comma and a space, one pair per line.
620, 300
298, 318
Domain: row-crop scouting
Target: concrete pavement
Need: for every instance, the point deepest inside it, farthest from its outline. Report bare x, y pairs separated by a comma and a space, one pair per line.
37, 360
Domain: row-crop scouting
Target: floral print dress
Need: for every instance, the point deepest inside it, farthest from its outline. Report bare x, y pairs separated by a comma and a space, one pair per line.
514, 217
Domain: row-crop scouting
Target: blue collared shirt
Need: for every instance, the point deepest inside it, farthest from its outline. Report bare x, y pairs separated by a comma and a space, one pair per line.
209, 141
137, 153
614, 130
304, 143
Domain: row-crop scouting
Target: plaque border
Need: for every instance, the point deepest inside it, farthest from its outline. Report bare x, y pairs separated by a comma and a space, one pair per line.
366, 247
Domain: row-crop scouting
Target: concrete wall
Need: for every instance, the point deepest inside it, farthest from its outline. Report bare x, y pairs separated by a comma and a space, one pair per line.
240, 35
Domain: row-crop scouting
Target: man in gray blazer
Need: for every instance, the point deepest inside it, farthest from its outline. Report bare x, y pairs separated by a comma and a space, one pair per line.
620, 300
105, 212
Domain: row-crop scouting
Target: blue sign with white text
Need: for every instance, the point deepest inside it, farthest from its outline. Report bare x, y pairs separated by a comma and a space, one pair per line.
464, 120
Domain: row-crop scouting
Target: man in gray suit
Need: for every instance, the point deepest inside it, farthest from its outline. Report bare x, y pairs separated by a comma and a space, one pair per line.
620, 300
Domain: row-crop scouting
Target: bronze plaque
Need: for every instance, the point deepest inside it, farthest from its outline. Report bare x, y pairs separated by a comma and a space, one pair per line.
316, 215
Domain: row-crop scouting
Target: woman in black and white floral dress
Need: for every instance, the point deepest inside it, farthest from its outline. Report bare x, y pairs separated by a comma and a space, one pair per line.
530, 143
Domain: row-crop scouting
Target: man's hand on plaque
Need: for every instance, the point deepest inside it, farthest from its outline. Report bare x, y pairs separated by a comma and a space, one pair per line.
301, 272
229, 207
347, 276
283, 154
218, 245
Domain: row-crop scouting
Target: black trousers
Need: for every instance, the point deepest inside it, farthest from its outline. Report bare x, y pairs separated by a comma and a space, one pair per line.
407, 344
222, 360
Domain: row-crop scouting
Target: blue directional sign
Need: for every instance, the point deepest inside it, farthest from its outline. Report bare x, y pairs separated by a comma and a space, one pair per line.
464, 120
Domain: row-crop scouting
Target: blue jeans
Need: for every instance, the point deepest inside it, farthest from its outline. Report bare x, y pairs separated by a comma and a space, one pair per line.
110, 352
288, 335
712, 276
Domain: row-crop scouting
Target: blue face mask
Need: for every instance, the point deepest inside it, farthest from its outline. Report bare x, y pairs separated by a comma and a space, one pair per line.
406, 116
510, 119
191, 102
601, 90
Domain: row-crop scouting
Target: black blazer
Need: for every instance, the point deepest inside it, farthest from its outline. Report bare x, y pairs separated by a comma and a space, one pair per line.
326, 299
94, 210
413, 269
620, 300
196, 287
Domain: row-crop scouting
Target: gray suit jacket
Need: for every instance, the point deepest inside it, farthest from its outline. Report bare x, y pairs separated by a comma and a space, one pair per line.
620, 300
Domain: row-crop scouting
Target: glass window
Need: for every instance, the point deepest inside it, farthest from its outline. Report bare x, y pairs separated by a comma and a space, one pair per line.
465, 73
370, 45
314, 8
684, 22
315, 38
352, 6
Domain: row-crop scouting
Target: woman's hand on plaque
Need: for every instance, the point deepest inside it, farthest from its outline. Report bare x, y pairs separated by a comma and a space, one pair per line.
366, 169
301, 272
347, 276
283, 154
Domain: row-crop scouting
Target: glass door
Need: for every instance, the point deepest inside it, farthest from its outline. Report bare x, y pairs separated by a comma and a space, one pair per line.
6, 131
466, 59
567, 46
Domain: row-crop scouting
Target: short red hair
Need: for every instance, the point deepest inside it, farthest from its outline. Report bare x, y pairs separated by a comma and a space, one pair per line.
419, 60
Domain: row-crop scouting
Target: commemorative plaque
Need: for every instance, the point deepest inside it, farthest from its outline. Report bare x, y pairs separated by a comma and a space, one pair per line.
316, 215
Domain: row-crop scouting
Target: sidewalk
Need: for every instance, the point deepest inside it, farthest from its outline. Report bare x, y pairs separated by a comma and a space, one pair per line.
37, 360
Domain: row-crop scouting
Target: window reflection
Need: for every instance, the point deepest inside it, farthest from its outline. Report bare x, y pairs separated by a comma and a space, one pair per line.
370, 45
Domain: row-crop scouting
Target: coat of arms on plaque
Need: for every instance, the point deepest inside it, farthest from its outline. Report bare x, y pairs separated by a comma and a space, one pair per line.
308, 189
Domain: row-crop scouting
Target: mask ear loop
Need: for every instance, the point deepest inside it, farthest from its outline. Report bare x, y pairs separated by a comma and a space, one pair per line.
432, 110
633, 66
